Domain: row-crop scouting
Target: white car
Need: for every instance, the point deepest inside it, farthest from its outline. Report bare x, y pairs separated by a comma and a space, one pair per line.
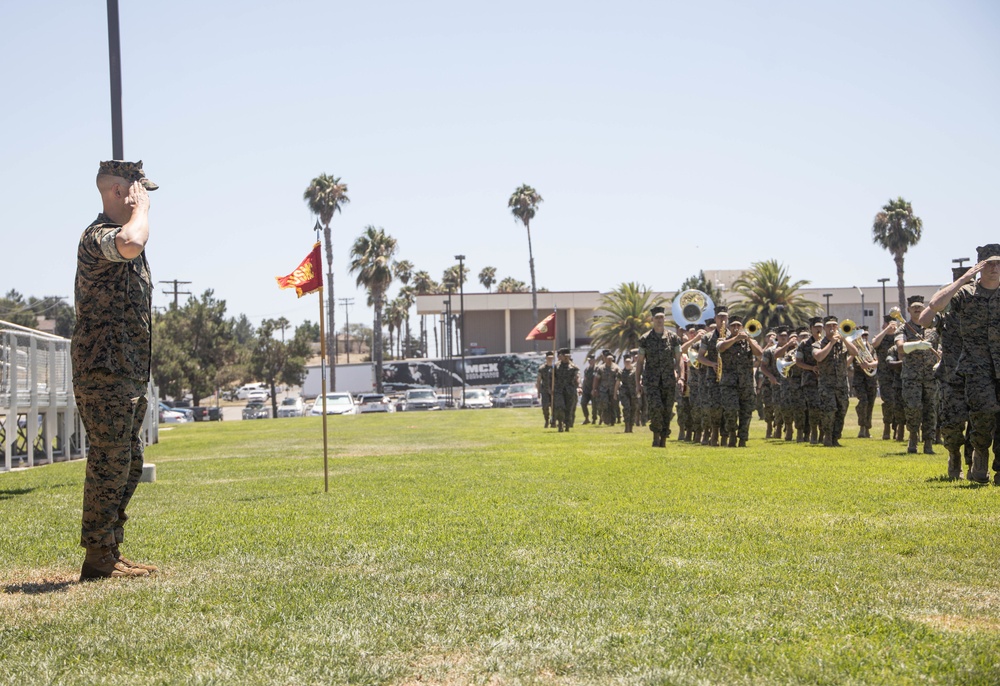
476, 399
243, 392
257, 395
336, 403
291, 407
374, 402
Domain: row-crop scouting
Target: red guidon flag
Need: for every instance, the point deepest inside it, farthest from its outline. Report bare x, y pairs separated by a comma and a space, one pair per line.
545, 330
307, 277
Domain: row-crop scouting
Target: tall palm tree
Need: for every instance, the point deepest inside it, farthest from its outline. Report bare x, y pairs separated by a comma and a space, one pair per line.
896, 228
770, 297
451, 278
488, 277
406, 298
624, 317
371, 260
325, 196
511, 285
523, 203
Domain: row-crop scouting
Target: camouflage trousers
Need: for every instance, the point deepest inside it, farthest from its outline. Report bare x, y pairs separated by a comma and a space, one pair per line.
814, 412
865, 390
799, 409
833, 401
606, 406
112, 409
684, 419
630, 408
711, 404
546, 399
564, 406
892, 410
660, 398
738, 403
585, 404
918, 402
953, 413
767, 400
784, 410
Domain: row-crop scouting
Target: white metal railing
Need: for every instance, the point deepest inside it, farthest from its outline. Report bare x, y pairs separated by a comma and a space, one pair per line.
39, 421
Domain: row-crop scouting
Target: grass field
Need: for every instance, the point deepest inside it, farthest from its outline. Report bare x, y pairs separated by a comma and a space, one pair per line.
474, 547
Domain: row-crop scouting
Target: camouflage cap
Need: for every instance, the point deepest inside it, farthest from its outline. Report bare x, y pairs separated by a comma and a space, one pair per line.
830, 319
549, 354
564, 351
990, 251
914, 299
130, 171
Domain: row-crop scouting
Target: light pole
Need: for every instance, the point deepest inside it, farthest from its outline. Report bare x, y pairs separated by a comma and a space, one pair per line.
883, 282
862, 305
827, 296
461, 318
347, 325
960, 261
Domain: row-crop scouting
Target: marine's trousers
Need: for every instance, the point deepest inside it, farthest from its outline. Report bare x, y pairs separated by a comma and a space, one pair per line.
112, 409
833, 406
918, 399
659, 396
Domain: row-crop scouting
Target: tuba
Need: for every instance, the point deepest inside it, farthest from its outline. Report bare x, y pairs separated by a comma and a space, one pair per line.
753, 328
692, 307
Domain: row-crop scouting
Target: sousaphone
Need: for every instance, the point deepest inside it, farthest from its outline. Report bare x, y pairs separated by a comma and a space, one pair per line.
692, 307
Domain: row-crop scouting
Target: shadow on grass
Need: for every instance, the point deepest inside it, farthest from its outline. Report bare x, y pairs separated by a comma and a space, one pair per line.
40, 587
10, 493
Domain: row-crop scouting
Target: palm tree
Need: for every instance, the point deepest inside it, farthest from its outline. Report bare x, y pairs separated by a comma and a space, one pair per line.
325, 196
488, 277
406, 298
511, 285
523, 203
625, 317
371, 260
450, 278
770, 297
896, 228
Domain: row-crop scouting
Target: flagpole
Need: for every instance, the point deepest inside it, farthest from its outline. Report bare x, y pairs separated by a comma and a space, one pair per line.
322, 347
552, 383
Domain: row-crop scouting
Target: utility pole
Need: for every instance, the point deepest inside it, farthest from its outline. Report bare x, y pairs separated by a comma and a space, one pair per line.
883, 282
346, 302
176, 292
115, 64
461, 318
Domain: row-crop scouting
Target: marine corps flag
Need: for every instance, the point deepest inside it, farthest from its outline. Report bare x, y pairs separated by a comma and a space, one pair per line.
307, 277
545, 330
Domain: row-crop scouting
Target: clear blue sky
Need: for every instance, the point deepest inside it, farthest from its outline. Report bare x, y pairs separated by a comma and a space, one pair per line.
665, 137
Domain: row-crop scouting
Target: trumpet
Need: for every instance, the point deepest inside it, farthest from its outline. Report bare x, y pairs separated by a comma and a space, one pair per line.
723, 335
753, 328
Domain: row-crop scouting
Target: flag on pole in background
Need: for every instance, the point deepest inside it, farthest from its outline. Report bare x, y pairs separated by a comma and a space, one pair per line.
545, 330
307, 277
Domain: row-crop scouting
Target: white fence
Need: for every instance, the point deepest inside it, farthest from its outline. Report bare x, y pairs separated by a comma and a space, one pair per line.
39, 423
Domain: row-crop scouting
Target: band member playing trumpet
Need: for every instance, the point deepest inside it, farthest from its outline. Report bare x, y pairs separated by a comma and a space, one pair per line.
865, 386
736, 388
975, 304
708, 357
833, 389
805, 360
919, 385
893, 418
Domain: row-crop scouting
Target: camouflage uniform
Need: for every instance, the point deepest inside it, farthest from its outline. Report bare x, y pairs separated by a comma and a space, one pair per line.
919, 385
627, 395
711, 402
797, 398
892, 413
585, 393
833, 391
978, 312
564, 402
695, 376
767, 361
543, 382
865, 390
111, 351
953, 410
659, 378
608, 378
736, 392
685, 423
809, 384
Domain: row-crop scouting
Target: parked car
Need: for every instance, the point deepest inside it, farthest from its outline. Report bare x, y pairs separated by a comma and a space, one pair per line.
476, 399
243, 392
257, 410
375, 402
499, 394
167, 414
291, 407
420, 399
446, 401
256, 395
523, 395
336, 403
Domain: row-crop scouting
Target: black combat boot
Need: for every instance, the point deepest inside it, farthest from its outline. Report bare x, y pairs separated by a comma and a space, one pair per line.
912, 447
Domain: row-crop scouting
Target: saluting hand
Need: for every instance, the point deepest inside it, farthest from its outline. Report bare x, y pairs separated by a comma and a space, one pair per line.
138, 197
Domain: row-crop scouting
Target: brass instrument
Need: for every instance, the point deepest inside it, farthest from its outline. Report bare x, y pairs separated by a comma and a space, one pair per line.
693, 358
897, 315
849, 331
723, 335
913, 346
753, 328
784, 365
692, 307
